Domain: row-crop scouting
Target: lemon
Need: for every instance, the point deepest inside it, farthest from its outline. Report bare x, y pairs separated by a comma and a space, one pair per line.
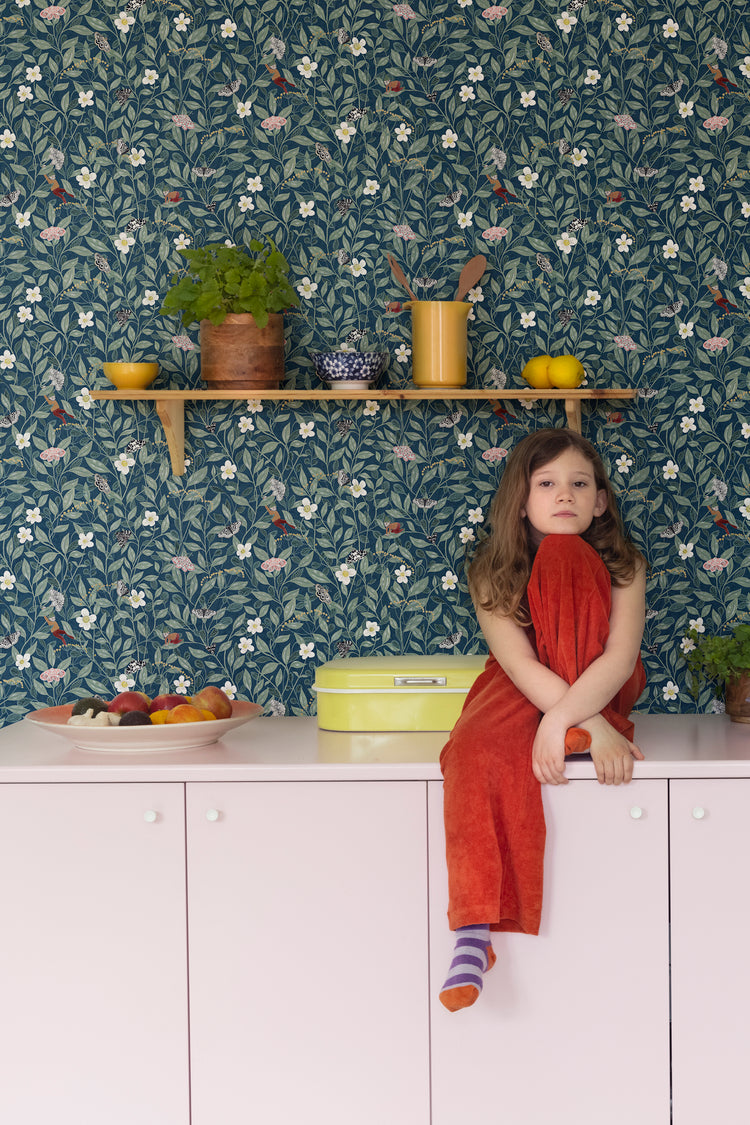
535, 372
565, 371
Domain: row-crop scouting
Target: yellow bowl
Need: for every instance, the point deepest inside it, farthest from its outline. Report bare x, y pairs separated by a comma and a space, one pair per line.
131, 376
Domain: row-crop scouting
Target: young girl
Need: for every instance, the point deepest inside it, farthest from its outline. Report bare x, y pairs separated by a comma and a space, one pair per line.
559, 592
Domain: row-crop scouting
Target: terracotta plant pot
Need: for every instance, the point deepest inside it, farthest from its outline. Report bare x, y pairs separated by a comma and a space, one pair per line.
737, 697
237, 355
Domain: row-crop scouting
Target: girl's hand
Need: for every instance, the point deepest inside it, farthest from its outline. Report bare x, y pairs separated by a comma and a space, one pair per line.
548, 754
611, 752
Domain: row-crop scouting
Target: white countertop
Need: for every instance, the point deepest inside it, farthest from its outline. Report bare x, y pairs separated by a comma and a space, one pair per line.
293, 749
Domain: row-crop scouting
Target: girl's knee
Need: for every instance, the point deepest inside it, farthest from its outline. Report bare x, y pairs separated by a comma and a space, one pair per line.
568, 554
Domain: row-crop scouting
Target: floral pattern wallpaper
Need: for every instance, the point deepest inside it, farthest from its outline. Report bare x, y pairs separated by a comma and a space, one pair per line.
597, 153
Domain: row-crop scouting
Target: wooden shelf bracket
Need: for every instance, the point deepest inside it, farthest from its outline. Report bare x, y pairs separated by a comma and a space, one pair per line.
172, 415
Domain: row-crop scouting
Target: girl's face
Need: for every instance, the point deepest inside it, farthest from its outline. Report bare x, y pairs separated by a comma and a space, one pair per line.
563, 498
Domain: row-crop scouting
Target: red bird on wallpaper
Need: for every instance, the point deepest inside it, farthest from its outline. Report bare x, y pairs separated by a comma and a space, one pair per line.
279, 79
720, 521
58, 411
60, 192
720, 80
720, 299
277, 520
503, 414
497, 187
57, 631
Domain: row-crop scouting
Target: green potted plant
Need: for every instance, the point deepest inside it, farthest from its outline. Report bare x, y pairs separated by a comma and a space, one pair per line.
724, 660
238, 295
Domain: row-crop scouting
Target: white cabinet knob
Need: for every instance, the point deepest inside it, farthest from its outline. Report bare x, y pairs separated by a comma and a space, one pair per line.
212, 814
698, 813
150, 816
636, 812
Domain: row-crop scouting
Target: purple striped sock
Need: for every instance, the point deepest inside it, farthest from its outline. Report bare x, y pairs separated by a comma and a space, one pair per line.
470, 957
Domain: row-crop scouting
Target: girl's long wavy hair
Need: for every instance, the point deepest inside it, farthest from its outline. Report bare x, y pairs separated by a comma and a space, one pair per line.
500, 569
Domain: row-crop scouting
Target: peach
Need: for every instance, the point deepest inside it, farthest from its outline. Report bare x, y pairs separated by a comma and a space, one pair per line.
214, 700
184, 713
129, 701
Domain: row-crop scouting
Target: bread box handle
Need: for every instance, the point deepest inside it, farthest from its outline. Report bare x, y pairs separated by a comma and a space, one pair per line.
420, 681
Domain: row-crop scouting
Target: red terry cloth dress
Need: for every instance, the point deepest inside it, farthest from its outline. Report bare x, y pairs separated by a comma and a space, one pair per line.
494, 820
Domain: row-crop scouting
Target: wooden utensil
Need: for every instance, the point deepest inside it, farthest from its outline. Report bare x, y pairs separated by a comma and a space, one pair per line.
400, 276
470, 275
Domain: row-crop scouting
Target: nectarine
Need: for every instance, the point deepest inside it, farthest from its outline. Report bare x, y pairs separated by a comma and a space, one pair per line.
129, 701
166, 702
214, 700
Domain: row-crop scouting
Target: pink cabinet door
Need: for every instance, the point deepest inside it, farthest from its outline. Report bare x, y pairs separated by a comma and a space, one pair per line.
710, 845
572, 1025
93, 976
308, 936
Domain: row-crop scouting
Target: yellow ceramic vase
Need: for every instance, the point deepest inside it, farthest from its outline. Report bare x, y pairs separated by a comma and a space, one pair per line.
438, 340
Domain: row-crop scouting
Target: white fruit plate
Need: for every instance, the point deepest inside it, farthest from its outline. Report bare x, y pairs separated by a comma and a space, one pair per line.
157, 737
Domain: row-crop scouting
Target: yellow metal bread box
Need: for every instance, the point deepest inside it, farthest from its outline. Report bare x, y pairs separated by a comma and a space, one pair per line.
382, 693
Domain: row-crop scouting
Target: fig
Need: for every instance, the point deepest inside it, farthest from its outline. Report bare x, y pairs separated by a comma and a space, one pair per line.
135, 719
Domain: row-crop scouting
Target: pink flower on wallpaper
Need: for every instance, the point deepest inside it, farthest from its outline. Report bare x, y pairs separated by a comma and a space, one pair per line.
625, 121
51, 234
494, 13
183, 342
182, 562
715, 344
54, 453
404, 452
715, 566
492, 234
183, 121
52, 13
405, 11
273, 565
496, 453
272, 123
52, 675
715, 123
627, 343
404, 231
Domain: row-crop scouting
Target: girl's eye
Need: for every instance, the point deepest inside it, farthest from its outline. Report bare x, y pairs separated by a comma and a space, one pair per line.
581, 484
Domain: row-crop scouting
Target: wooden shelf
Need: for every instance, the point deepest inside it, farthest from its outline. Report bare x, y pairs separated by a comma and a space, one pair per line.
170, 405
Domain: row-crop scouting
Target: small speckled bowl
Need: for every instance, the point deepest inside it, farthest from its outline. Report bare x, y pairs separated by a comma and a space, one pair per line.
350, 367
131, 376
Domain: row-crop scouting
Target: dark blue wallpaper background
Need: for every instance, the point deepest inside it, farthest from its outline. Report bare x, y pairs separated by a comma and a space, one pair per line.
598, 155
